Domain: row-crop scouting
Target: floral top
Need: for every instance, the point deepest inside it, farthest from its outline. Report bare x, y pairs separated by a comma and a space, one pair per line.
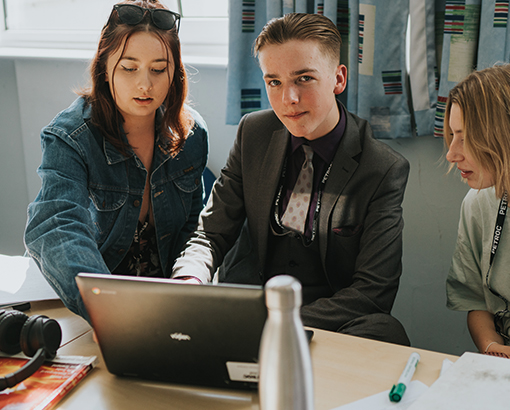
142, 258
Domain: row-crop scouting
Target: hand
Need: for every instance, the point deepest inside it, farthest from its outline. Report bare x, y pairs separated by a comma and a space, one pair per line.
499, 350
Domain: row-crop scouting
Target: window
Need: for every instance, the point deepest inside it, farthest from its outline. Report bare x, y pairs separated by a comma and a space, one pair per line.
75, 24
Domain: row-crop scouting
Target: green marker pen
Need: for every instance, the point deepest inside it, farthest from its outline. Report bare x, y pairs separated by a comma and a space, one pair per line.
397, 391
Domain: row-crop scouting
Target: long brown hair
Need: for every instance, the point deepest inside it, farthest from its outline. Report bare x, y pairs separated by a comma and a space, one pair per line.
484, 100
177, 121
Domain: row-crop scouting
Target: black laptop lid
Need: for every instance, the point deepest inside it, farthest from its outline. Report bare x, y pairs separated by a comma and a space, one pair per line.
154, 329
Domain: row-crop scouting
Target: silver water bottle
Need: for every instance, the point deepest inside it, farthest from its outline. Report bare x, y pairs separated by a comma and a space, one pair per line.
286, 378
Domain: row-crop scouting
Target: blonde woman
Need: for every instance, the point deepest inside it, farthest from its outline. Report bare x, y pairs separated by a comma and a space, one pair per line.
477, 134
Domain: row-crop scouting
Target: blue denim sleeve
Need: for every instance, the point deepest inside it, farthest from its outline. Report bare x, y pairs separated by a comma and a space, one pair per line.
196, 208
202, 134
198, 196
59, 232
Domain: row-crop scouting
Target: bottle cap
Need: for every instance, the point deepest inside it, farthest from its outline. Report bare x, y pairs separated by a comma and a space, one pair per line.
283, 292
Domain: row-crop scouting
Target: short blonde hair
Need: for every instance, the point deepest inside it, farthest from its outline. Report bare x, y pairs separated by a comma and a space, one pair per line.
484, 100
301, 26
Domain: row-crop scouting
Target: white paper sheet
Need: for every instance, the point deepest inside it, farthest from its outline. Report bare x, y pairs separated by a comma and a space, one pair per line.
475, 381
22, 281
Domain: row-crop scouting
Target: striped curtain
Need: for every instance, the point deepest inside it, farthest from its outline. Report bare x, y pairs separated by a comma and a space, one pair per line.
447, 40
377, 87
475, 36
423, 57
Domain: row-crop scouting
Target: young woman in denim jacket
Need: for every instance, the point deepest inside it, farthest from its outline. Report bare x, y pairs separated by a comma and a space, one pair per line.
122, 166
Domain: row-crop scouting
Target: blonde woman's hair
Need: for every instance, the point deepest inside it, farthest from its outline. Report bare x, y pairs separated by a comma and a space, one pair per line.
484, 100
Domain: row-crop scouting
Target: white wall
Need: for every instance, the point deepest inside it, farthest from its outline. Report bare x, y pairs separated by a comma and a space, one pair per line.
13, 181
34, 90
431, 214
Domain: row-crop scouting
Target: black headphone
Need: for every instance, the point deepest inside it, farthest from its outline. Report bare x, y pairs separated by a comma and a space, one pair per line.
37, 336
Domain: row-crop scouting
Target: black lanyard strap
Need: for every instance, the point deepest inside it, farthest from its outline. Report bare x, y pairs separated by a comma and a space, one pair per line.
500, 221
498, 229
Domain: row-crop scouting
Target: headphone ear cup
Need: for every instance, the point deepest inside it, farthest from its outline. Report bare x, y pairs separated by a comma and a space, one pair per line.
40, 332
11, 324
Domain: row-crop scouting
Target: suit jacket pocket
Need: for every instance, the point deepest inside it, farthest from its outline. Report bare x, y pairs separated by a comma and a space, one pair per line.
347, 231
343, 250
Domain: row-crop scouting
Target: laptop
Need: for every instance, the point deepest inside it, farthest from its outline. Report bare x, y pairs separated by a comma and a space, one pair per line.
149, 328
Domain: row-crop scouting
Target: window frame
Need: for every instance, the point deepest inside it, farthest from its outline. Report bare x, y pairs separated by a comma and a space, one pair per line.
193, 41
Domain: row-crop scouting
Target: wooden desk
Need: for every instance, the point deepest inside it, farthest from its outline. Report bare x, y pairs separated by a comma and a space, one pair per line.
346, 369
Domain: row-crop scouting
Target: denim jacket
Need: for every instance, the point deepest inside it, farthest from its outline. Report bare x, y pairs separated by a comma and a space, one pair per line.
85, 215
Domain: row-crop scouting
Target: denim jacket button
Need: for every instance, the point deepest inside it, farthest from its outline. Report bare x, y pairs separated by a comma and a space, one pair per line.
120, 251
136, 203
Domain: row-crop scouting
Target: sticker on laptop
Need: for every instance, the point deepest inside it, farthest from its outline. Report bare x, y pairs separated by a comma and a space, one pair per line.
243, 372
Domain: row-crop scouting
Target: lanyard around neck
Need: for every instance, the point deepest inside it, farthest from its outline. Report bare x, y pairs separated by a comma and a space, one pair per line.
498, 229
500, 221
306, 241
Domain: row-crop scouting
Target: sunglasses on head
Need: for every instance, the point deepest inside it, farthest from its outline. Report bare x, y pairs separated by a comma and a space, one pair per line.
161, 18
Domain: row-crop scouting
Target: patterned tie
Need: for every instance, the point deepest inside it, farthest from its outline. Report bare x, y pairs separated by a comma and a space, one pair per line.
299, 202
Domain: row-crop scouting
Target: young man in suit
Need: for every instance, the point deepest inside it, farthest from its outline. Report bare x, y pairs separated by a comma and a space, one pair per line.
342, 240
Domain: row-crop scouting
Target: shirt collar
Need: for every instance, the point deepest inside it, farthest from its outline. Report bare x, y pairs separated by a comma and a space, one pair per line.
324, 146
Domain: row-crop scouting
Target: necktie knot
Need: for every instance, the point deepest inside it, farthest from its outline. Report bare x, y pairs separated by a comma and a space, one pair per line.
308, 156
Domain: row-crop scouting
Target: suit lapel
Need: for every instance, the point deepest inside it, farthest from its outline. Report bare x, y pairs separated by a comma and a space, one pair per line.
268, 184
343, 167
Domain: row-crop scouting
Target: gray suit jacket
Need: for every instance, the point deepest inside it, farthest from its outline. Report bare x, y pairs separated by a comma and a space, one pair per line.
360, 221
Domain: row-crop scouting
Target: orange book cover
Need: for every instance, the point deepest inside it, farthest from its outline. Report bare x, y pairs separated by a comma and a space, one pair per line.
47, 386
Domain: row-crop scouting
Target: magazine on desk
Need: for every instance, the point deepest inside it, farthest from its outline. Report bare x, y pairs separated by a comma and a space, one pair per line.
47, 386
